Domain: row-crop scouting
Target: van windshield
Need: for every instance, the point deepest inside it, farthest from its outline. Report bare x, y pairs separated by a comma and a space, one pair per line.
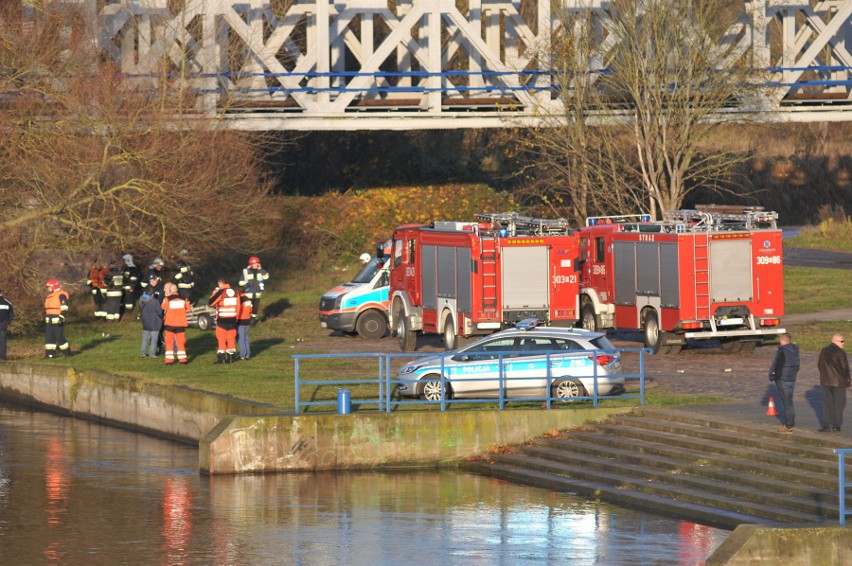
368, 272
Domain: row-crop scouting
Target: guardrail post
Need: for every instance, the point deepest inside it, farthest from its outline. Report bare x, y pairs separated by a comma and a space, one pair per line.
297, 384
841, 484
642, 377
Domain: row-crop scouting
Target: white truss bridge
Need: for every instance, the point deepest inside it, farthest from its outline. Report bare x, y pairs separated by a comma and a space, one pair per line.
430, 64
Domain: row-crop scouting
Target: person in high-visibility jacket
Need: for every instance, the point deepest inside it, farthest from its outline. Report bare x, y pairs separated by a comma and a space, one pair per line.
226, 301
96, 282
175, 309
253, 280
185, 279
55, 307
114, 281
243, 325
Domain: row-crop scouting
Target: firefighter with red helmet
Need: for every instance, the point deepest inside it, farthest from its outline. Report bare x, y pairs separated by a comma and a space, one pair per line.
175, 309
55, 307
252, 280
226, 301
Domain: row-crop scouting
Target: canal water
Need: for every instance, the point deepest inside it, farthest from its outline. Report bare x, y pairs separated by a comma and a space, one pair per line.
75, 492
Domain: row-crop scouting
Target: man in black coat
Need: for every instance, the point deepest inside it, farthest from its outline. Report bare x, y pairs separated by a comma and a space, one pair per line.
7, 315
783, 372
834, 378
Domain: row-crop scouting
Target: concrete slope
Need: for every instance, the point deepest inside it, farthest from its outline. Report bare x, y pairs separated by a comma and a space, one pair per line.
686, 465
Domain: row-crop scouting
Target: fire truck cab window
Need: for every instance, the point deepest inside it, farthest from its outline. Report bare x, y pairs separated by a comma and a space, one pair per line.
410, 258
397, 253
600, 248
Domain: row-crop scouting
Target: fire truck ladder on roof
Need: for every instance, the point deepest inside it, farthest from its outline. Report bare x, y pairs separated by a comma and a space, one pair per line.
516, 225
711, 217
701, 269
489, 274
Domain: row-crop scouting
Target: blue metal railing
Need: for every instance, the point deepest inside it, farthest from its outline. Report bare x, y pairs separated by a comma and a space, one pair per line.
385, 381
842, 484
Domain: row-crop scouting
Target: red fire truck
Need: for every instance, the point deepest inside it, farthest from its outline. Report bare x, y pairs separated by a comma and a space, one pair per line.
474, 278
712, 272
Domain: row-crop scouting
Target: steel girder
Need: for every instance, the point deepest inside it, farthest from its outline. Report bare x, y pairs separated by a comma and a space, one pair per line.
405, 64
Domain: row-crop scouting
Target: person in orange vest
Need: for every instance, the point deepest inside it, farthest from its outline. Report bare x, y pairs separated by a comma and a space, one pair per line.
243, 325
55, 307
175, 308
96, 282
226, 301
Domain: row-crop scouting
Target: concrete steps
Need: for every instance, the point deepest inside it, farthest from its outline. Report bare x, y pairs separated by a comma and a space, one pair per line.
690, 466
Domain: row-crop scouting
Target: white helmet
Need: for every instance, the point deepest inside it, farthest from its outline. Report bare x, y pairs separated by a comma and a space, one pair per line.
365, 257
157, 261
128, 260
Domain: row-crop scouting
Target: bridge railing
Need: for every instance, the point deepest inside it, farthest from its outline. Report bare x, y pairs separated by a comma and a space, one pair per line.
842, 484
381, 389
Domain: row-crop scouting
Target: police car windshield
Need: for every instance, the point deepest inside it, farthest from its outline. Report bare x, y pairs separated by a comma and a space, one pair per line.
367, 272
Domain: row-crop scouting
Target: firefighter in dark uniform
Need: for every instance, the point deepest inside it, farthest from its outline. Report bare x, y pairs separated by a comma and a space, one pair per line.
96, 283
185, 280
55, 307
155, 269
7, 315
131, 282
253, 279
114, 292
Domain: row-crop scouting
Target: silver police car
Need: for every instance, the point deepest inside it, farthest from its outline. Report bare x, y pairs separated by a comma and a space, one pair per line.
577, 359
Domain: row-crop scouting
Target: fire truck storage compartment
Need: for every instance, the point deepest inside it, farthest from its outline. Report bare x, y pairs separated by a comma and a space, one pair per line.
647, 269
525, 277
730, 270
449, 278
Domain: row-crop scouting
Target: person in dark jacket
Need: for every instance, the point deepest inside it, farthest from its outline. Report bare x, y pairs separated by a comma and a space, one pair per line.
783, 373
834, 378
151, 313
7, 315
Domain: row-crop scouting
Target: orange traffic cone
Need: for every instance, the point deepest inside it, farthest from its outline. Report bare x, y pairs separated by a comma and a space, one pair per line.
770, 410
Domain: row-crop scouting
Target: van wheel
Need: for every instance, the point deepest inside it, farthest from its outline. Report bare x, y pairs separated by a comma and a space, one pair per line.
407, 337
371, 325
651, 332
588, 319
449, 334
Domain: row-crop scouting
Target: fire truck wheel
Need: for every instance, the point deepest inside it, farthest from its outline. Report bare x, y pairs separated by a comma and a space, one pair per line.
430, 388
450, 334
651, 331
733, 346
588, 320
205, 322
748, 346
568, 389
407, 337
671, 349
371, 325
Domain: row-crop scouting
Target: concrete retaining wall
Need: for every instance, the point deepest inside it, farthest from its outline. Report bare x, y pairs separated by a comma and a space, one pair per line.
238, 436
175, 412
357, 441
751, 544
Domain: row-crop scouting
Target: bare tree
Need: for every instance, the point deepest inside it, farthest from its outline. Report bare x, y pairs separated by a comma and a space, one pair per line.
89, 163
662, 82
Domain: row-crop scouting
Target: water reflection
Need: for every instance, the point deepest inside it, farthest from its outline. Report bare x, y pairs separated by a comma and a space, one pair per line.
77, 493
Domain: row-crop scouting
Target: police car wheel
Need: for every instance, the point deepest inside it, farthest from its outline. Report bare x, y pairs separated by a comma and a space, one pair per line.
205, 322
430, 389
568, 389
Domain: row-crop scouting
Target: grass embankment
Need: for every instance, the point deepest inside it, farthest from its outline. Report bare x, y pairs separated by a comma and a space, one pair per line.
292, 327
832, 233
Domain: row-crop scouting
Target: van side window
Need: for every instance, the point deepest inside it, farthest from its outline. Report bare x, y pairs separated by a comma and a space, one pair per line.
600, 247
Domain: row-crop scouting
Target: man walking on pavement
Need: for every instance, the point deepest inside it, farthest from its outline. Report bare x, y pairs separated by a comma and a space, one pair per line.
834, 378
783, 372
7, 315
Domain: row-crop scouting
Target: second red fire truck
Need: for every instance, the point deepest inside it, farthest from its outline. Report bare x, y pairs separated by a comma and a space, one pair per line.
474, 278
712, 272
